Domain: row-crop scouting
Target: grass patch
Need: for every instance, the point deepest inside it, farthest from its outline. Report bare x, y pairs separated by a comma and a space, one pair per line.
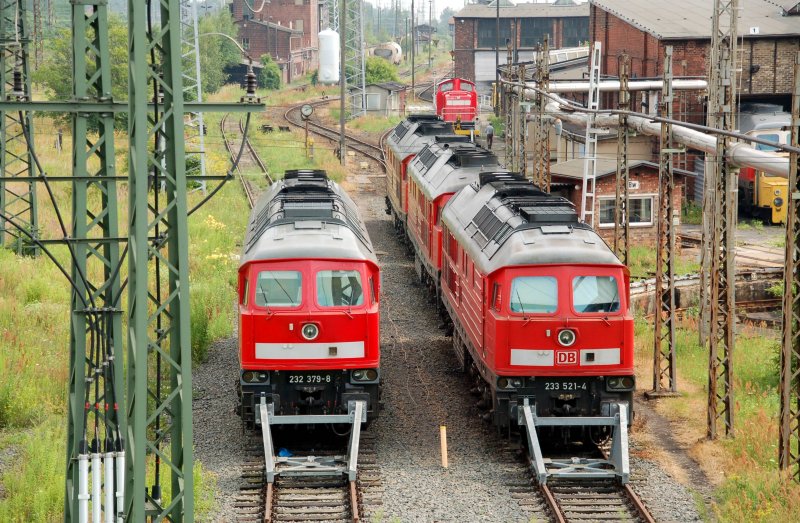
691, 213
642, 262
372, 123
750, 486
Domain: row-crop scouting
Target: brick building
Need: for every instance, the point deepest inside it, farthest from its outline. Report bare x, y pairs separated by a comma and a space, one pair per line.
524, 25
643, 190
769, 33
287, 30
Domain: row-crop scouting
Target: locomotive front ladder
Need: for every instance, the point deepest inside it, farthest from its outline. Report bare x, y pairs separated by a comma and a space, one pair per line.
617, 466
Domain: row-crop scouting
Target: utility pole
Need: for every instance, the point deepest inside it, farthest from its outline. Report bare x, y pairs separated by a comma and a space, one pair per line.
664, 357
342, 79
190, 52
430, 31
413, 52
723, 183
789, 443
542, 145
590, 140
496, 58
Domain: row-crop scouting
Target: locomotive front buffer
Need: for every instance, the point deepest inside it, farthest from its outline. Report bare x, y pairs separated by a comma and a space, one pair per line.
616, 466
312, 465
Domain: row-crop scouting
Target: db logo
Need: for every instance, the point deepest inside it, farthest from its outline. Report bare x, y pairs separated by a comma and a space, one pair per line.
567, 357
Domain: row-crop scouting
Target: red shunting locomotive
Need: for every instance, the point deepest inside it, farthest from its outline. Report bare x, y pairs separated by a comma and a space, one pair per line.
457, 100
309, 338
539, 303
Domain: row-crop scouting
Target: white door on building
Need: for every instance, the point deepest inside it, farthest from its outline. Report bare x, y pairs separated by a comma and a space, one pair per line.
484, 65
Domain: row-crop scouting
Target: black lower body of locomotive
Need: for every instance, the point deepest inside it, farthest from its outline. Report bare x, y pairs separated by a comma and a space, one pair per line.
307, 392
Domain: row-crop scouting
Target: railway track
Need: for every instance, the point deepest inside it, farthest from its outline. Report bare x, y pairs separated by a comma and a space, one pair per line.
250, 159
575, 501
308, 498
365, 148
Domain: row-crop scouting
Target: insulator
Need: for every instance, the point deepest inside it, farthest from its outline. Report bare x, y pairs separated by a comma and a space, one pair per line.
251, 82
19, 88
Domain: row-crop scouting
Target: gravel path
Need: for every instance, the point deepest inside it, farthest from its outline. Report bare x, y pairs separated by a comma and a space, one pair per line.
218, 439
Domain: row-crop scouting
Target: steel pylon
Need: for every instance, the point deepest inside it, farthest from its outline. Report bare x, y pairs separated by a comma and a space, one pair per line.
95, 391
721, 225
622, 197
159, 387
664, 357
789, 442
541, 170
18, 200
193, 90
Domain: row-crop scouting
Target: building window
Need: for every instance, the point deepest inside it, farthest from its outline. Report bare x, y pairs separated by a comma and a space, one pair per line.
486, 32
575, 31
298, 24
532, 31
641, 209
245, 43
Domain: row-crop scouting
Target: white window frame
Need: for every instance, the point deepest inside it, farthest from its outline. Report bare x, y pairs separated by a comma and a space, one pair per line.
653, 203
245, 43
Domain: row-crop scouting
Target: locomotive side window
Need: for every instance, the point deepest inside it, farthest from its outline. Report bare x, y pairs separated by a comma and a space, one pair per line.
339, 288
246, 293
531, 294
595, 294
279, 289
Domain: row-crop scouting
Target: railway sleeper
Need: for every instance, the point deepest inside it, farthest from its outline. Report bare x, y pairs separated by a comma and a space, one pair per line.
616, 467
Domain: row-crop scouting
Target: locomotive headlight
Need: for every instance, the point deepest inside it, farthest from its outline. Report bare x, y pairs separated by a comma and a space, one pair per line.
777, 202
248, 376
365, 375
509, 383
777, 192
310, 331
620, 383
566, 337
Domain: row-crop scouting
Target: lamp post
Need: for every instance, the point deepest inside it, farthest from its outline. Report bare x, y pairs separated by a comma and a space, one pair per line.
497, 59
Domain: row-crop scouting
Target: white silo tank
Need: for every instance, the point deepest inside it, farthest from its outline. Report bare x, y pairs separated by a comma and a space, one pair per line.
328, 57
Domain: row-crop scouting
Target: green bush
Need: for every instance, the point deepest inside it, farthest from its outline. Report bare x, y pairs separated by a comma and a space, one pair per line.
378, 70
270, 75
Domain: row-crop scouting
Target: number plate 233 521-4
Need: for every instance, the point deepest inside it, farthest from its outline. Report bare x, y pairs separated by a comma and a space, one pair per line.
563, 386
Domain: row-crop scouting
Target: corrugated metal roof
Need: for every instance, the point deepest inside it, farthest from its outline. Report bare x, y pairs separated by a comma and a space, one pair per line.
691, 19
524, 11
605, 167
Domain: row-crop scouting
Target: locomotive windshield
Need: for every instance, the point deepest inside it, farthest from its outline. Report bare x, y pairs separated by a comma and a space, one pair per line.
339, 288
278, 289
595, 294
531, 294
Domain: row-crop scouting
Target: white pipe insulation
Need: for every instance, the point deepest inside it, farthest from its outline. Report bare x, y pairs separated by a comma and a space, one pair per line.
569, 86
740, 154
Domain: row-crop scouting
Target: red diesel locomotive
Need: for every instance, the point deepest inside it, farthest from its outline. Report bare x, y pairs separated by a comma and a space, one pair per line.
308, 302
402, 144
539, 303
439, 170
457, 100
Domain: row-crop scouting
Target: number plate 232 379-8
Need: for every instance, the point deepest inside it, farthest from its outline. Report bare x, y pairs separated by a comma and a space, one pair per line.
564, 386
309, 379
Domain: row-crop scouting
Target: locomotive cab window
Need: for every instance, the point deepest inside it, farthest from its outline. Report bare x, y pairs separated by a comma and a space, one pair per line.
534, 294
339, 289
595, 294
279, 289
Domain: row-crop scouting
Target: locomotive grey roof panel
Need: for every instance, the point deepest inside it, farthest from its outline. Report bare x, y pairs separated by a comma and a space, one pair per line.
306, 215
691, 19
444, 168
415, 132
523, 11
521, 226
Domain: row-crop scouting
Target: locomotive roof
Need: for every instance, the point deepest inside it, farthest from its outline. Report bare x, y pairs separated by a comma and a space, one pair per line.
444, 167
504, 220
306, 215
415, 132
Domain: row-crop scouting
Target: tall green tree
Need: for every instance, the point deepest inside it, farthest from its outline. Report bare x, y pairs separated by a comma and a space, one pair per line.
217, 52
378, 70
55, 73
